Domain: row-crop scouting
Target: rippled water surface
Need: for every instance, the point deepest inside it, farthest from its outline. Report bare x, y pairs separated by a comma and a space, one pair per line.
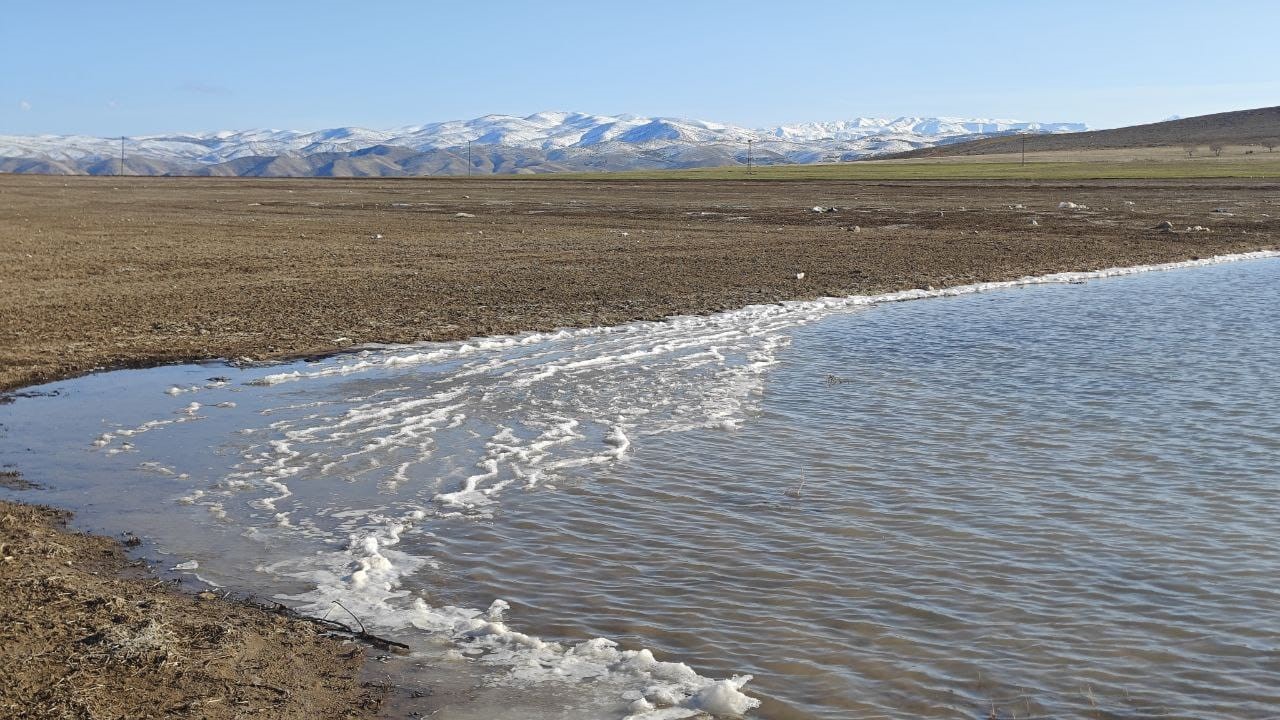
1057, 500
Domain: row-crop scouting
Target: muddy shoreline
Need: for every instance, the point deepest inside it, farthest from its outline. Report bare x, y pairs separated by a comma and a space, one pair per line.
85, 632
105, 273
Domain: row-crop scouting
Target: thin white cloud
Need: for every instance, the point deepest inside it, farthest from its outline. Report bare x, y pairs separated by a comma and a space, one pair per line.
24, 106
203, 88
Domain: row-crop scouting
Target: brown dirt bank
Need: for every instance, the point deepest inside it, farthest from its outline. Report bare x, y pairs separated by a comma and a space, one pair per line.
77, 640
112, 271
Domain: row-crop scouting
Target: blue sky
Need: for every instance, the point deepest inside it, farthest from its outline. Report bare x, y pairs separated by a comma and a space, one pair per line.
113, 68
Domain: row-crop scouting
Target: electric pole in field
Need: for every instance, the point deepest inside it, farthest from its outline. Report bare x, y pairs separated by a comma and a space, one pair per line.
468, 158
121, 155
1024, 149
749, 141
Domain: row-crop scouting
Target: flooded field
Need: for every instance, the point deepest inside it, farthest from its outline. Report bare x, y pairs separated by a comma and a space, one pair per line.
1038, 500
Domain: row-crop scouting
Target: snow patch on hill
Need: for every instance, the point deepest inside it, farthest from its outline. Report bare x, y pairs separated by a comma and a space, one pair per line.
624, 140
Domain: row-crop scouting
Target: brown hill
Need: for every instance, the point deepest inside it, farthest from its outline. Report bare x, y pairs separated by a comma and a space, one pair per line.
40, 166
1240, 127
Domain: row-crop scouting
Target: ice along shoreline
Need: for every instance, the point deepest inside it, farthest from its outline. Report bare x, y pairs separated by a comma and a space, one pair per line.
723, 697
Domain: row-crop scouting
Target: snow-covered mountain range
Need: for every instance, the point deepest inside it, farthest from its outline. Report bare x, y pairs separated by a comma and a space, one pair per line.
543, 142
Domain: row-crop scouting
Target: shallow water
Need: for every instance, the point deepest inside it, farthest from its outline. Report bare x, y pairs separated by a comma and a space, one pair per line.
1045, 501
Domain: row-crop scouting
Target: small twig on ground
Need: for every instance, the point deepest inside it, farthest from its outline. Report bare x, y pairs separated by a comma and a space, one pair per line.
280, 690
353, 615
336, 627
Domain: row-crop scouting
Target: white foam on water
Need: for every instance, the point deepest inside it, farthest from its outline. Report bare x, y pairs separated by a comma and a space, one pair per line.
367, 578
417, 434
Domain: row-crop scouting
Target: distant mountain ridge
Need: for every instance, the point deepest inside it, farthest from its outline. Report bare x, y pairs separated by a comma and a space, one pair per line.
1238, 127
542, 142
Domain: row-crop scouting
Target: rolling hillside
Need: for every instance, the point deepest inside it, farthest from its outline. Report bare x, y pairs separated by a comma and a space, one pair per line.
1240, 127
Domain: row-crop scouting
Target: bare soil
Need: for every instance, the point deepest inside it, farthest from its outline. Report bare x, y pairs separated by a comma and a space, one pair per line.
108, 272
78, 640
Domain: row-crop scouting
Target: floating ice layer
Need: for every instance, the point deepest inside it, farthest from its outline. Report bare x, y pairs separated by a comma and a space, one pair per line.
387, 441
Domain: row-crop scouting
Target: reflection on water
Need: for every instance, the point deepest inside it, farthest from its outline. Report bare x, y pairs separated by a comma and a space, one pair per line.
1052, 501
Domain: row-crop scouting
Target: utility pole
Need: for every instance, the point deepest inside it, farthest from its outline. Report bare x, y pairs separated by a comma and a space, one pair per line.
1024, 149
121, 155
468, 158
749, 141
